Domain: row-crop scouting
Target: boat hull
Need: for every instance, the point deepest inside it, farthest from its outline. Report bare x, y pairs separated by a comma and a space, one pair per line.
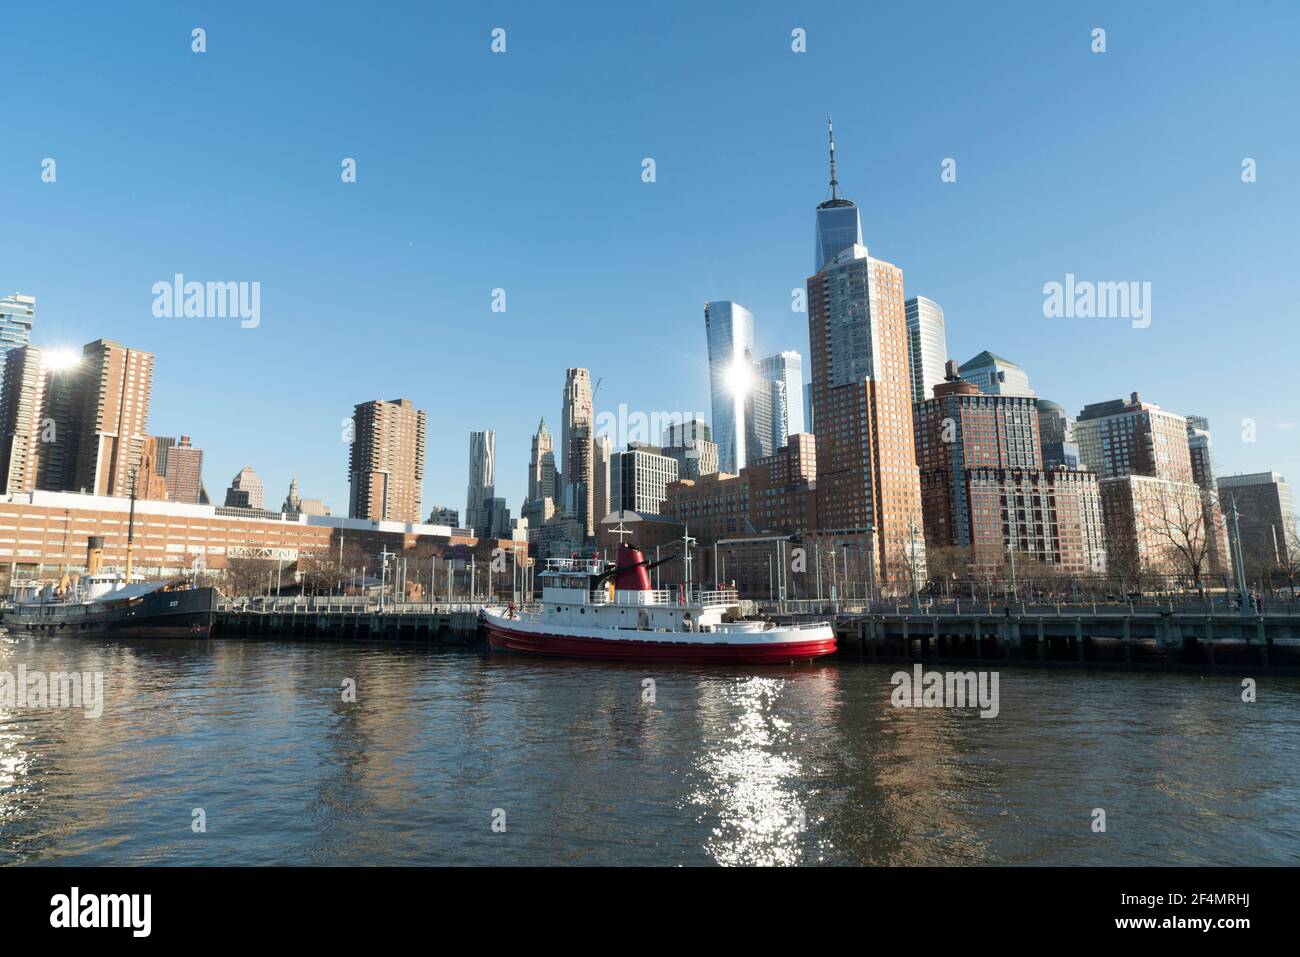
163, 614
502, 637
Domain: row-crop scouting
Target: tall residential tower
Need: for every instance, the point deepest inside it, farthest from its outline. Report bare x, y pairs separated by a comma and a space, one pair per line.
482, 481
386, 464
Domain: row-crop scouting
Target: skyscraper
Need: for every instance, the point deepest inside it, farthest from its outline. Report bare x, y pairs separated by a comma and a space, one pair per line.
995, 375
928, 346
763, 424
482, 481
729, 329
576, 451
185, 472
386, 464
22, 405
1157, 517
1266, 519
690, 444
687, 432
985, 488
1202, 451
16, 316
786, 369
838, 225
246, 490
1133, 437
641, 476
151, 479
109, 416
541, 465
867, 479
602, 453
1056, 436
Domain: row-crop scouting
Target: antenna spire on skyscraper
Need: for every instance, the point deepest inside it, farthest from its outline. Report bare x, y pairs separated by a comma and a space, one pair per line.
835, 184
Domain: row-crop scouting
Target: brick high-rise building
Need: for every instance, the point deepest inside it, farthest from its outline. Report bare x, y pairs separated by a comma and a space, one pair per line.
1133, 437
386, 464
777, 493
867, 479
111, 408
77, 423
185, 472
984, 487
22, 411
1142, 455
151, 479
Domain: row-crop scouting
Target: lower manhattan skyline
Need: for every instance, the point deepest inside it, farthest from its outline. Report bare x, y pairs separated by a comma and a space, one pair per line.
667, 437
386, 286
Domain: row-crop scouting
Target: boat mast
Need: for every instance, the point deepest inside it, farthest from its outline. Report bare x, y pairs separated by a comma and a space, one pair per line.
130, 529
687, 542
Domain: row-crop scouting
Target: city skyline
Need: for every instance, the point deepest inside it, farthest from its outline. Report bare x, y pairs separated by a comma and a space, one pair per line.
1073, 362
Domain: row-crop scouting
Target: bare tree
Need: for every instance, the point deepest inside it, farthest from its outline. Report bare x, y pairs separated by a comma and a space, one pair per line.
1181, 525
247, 576
948, 564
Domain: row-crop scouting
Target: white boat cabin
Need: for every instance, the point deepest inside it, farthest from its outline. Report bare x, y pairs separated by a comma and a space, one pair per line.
574, 594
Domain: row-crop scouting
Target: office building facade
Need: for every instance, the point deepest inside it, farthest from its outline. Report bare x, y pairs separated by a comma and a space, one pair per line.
867, 479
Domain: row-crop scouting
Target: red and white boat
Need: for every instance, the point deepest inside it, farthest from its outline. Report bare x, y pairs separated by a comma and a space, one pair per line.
589, 611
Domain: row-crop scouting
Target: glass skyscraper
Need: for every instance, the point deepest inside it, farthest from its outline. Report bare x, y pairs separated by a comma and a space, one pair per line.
16, 315
838, 225
928, 346
996, 376
786, 369
729, 328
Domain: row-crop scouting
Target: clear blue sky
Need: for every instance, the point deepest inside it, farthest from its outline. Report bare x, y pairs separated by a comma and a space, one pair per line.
523, 171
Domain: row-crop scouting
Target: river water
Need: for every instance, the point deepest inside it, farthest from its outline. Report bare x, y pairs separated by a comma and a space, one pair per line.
453, 756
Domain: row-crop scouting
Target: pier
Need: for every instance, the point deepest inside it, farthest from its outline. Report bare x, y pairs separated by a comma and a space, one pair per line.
319, 619
1191, 635
1187, 635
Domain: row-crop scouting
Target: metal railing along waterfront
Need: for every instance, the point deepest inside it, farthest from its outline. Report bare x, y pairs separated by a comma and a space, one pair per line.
347, 606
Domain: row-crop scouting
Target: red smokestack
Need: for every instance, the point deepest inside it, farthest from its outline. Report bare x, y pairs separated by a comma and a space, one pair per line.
631, 574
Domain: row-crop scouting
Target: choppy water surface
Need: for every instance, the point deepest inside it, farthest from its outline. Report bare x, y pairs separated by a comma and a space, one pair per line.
806, 764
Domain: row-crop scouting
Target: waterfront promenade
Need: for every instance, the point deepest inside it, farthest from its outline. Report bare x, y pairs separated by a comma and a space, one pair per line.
1190, 633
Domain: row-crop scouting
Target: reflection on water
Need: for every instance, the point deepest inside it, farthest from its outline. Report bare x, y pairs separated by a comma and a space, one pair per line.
799, 765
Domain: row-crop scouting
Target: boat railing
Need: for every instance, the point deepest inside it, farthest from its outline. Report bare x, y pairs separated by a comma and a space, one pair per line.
719, 598
573, 566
